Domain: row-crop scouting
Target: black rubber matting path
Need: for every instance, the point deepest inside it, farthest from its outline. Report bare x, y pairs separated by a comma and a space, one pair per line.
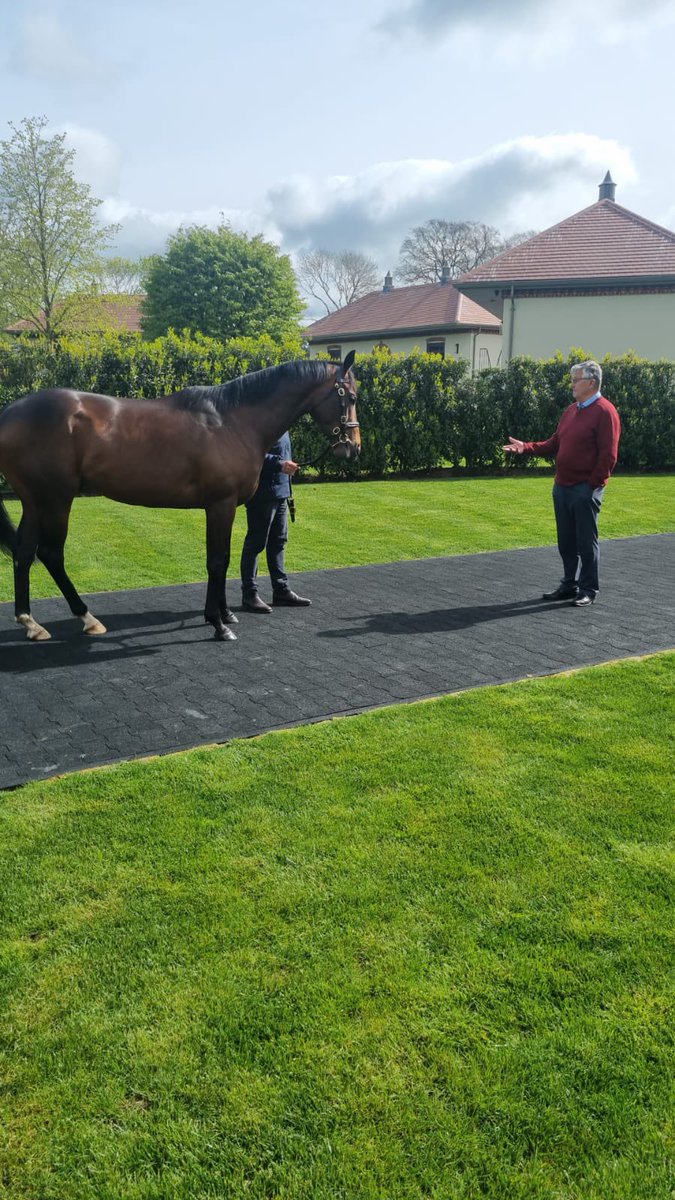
374, 635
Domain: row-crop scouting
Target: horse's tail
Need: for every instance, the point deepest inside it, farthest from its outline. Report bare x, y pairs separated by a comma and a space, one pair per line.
7, 532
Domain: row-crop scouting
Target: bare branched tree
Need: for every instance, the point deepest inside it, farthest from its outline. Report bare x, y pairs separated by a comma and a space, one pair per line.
336, 277
458, 245
516, 239
123, 276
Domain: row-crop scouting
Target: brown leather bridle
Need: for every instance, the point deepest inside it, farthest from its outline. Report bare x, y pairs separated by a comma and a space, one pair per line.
341, 431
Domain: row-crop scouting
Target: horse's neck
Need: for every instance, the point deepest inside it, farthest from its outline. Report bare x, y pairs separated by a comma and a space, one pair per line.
274, 416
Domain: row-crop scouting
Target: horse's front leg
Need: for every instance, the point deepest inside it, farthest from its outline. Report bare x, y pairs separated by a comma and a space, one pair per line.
24, 555
219, 521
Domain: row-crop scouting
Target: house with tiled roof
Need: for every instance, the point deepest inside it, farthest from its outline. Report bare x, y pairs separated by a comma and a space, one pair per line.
119, 314
432, 317
602, 280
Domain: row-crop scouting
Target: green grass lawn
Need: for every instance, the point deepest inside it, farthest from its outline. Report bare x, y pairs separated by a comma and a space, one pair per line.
421, 953
114, 546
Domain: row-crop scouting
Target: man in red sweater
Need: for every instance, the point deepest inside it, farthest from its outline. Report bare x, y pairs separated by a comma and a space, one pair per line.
585, 447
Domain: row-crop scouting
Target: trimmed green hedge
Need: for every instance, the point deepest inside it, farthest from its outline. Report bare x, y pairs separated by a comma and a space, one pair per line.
124, 365
421, 412
406, 410
530, 395
417, 412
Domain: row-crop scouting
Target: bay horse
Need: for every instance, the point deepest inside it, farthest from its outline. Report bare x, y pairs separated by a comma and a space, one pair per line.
202, 447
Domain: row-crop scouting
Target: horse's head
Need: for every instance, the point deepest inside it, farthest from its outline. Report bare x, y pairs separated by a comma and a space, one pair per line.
335, 411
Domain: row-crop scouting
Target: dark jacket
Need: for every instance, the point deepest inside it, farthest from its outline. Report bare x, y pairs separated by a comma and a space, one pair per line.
274, 484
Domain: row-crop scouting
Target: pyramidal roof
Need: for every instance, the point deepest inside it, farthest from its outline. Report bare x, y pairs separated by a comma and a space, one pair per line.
602, 242
423, 307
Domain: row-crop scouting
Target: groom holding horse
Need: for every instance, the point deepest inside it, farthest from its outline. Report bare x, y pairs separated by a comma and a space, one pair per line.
267, 529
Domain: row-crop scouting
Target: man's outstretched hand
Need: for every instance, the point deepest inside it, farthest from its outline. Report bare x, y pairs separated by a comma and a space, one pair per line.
514, 446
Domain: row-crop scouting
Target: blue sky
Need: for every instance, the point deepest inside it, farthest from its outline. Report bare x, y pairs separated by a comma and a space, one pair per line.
342, 126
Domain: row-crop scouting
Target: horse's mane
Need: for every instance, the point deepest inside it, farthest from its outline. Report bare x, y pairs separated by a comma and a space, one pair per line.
252, 388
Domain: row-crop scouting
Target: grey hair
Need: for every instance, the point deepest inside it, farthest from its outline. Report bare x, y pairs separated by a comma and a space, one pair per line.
589, 370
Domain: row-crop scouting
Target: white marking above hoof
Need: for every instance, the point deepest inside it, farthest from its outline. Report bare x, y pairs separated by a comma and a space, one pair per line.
34, 632
91, 625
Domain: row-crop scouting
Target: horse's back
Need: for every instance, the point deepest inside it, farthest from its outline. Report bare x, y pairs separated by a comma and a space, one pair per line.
44, 405
52, 409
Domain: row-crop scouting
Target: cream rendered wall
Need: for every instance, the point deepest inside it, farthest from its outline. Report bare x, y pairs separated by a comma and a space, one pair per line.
492, 342
597, 324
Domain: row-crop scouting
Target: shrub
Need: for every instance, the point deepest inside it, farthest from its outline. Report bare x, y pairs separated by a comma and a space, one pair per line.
417, 412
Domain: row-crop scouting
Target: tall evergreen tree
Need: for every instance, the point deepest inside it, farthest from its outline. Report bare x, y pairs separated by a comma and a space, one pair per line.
222, 284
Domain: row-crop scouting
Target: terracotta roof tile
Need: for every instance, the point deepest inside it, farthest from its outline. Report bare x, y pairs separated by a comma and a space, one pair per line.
119, 313
604, 241
425, 306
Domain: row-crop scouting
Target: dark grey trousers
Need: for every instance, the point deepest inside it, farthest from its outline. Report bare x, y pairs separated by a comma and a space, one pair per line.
267, 529
576, 516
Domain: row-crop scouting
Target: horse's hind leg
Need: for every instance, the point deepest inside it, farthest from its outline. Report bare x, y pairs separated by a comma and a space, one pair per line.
52, 539
24, 556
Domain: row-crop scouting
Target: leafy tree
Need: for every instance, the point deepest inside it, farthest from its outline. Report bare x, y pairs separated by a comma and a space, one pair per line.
123, 276
50, 240
457, 245
222, 284
336, 277
6, 314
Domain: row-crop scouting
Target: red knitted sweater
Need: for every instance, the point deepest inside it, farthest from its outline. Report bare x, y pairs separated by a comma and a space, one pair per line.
585, 444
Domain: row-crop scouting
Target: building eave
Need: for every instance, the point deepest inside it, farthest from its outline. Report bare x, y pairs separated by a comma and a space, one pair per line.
422, 331
491, 293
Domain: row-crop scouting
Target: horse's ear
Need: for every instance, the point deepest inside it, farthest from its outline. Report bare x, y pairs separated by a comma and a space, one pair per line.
349, 361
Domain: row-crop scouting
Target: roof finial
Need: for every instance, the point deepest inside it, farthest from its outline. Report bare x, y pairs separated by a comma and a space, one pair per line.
445, 273
388, 283
607, 188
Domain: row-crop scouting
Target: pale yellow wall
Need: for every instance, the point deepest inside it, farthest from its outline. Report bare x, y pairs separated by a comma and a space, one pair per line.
597, 324
492, 342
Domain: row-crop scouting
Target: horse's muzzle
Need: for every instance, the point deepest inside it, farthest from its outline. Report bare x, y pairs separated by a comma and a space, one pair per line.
347, 449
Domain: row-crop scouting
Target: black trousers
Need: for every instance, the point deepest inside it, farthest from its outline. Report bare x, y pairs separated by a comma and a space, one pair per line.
267, 529
576, 516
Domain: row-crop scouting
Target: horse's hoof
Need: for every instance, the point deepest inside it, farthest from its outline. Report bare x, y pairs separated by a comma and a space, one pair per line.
40, 635
91, 626
225, 635
229, 618
34, 632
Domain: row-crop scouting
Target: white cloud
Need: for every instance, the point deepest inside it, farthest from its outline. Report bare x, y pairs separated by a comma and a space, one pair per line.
144, 231
98, 160
527, 183
46, 50
539, 26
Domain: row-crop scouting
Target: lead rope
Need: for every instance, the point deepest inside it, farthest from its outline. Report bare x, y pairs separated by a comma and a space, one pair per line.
311, 462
